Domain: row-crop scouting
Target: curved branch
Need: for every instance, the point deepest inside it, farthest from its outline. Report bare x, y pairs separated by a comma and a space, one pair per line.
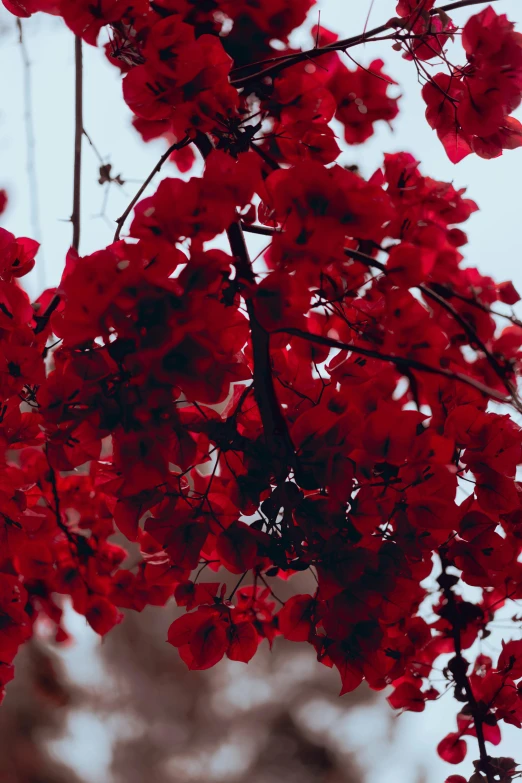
278, 64
159, 165
472, 336
402, 363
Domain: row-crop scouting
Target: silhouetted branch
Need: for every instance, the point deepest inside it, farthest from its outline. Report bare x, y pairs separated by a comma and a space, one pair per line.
78, 135
159, 165
273, 66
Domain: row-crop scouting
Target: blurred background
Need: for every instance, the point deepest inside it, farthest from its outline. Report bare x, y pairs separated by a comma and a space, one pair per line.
126, 710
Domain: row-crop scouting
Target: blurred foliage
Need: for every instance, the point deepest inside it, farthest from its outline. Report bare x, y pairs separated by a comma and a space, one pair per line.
236, 722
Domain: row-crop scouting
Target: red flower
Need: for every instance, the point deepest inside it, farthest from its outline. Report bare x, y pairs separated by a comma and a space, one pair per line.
452, 749
407, 696
362, 99
87, 19
296, 619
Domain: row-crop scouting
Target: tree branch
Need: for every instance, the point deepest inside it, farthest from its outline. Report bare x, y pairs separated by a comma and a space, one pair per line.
43, 320
78, 135
429, 293
275, 427
278, 64
264, 231
474, 338
357, 255
31, 147
402, 363
459, 667
159, 165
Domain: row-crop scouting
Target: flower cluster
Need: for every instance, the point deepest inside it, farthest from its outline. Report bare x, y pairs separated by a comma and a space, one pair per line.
470, 107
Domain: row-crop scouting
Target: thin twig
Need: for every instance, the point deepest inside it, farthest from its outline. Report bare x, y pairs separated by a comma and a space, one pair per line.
274, 65
94, 148
232, 594
43, 320
34, 204
264, 231
159, 165
78, 135
472, 335
402, 363
56, 509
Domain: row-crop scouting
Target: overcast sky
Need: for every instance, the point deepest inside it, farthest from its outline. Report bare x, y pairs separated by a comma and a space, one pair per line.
494, 233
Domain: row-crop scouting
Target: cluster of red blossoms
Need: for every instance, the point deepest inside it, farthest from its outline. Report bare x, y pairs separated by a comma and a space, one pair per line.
469, 107
338, 410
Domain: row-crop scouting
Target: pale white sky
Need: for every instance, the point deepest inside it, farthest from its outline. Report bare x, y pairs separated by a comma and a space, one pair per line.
494, 232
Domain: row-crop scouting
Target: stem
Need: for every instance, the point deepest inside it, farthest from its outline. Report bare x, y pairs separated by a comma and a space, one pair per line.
159, 165
264, 231
31, 148
262, 578
459, 671
472, 336
284, 61
232, 594
275, 428
400, 362
56, 510
43, 320
441, 301
78, 135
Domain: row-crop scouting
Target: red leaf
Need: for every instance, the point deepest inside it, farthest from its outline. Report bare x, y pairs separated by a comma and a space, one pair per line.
237, 548
101, 615
452, 749
182, 629
295, 618
191, 595
407, 696
243, 642
208, 644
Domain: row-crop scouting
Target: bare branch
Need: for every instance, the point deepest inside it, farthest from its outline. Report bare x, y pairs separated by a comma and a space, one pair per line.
78, 135
31, 151
402, 363
159, 165
274, 65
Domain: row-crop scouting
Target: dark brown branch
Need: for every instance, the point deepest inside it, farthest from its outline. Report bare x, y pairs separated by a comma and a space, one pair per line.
31, 149
402, 363
473, 337
276, 64
449, 293
357, 255
275, 428
159, 165
364, 258
43, 320
264, 231
459, 666
272, 164
78, 135
429, 293
56, 509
